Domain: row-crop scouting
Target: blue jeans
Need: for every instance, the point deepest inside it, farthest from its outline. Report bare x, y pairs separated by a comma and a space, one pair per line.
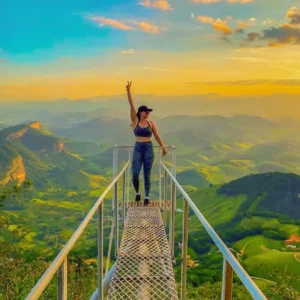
143, 154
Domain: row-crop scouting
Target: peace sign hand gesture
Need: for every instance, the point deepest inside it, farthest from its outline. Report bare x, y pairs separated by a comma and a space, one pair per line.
128, 86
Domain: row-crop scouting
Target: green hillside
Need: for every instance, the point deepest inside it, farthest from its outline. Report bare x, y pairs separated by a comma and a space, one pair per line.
46, 160
192, 177
281, 193
242, 213
218, 164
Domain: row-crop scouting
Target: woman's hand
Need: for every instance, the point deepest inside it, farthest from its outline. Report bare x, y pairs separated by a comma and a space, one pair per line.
128, 86
165, 151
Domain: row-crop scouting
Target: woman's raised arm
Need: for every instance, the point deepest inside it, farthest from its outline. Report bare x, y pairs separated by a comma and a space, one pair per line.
132, 108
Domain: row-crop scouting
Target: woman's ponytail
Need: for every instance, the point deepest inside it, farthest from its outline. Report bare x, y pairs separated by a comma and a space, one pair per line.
138, 114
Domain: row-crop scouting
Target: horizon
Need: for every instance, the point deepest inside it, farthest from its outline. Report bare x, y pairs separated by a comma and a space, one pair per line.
191, 47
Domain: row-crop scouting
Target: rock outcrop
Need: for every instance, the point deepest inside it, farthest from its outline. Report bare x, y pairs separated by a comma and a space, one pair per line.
58, 147
16, 172
35, 125
19, 133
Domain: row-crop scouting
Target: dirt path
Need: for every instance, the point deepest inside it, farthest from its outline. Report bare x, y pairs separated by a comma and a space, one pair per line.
264, 248
243, 250
296, 256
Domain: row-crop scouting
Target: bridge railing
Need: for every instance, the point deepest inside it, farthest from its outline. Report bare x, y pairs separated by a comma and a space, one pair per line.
230, 263
59, 265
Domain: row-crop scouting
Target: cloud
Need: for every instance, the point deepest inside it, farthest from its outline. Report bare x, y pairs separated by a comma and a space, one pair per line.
147, 27
245, 49
146, 68
248, 59
109, 22
205, 19
228, 1
130, 51
239, 1
206, 1
294, 14
221, 25
159, 4
217, 24
286, 34
290, 82
253, 36
276, 36
243, 24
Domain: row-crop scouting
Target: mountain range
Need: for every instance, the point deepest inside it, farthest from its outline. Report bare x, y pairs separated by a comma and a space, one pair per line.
242, 172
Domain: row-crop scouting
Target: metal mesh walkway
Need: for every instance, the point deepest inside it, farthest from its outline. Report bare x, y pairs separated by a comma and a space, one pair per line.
144, 268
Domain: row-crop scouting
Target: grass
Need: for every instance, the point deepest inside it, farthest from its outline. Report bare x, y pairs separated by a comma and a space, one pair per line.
216, 209
289, 229
213, 174
258, 244
62, 204
76, 156
269, 224
281, 262
265, 223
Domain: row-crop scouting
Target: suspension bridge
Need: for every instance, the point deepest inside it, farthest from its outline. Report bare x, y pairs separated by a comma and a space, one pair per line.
143, 267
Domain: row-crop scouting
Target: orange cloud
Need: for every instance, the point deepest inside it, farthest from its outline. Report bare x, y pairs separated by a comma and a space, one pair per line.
243, 24
159, 4
294, 14
110, 22
147, 27
221, 26
229, 1
239, 1
205, 19
206, 1
217, 24
291, 11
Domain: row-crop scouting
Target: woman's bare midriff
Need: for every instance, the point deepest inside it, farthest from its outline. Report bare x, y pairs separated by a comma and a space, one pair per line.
143, 139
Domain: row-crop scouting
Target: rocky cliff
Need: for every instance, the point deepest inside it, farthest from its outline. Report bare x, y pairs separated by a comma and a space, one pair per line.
58, 147
19, 133
15, 172
35, 125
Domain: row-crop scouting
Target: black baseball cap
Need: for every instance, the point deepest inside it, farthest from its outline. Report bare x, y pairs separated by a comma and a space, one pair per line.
144, 108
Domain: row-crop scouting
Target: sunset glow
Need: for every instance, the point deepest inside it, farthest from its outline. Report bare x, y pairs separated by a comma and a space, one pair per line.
79, 50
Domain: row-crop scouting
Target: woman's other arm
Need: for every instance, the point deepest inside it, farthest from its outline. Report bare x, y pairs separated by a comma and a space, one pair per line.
157, 137
132, 108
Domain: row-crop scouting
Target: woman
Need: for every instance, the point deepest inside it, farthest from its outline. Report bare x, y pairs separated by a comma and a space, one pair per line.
143, 153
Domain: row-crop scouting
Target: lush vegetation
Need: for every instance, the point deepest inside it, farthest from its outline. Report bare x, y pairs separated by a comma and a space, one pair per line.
254, 215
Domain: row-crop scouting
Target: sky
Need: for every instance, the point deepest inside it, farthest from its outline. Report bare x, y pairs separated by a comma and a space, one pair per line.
80, 49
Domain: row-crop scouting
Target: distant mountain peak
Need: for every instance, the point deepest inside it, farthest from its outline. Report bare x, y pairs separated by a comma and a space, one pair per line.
21, 131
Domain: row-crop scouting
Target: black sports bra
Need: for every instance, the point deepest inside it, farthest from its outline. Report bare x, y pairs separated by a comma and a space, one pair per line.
143, 132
